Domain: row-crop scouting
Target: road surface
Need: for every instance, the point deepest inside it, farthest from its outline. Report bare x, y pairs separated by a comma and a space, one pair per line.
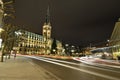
74, 70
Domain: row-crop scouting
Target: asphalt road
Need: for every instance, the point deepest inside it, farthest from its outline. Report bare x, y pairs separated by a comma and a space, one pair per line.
74, 70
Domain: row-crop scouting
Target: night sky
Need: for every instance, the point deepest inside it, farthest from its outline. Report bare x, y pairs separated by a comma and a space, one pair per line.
76, 22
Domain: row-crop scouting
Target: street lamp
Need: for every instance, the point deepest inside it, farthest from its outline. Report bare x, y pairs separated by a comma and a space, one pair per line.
54, 50
108, 42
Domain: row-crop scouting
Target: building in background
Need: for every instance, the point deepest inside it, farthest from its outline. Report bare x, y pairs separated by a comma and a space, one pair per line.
60, 49
115, 38
112, 49
114, 42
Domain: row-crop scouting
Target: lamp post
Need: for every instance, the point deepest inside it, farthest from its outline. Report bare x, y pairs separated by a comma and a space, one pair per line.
107, 42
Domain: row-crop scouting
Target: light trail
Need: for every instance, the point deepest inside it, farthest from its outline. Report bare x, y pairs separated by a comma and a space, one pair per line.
82, 64
85, 71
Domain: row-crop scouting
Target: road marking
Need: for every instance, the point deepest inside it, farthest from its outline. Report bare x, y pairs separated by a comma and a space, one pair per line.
86, 71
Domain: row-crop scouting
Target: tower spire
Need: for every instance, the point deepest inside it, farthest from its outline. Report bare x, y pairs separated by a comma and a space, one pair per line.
47, 32
48, 16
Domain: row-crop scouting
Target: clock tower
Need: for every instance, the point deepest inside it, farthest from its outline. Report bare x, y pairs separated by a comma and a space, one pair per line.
47, 33
47, 27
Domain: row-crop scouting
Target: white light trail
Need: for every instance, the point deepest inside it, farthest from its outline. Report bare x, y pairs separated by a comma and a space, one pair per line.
83, 65
78, 69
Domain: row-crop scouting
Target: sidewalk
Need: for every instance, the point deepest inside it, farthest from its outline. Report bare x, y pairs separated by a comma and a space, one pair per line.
23, 69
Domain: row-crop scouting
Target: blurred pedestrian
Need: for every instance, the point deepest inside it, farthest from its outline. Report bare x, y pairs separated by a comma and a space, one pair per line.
14, 53
118, 58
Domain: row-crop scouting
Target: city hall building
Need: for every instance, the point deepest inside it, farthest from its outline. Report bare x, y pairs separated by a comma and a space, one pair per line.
28, 43
31, 43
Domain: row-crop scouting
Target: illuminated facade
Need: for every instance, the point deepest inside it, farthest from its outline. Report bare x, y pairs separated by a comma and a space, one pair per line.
28, 42
31, 43
60, 49
47, 34
114, 41
115, 38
